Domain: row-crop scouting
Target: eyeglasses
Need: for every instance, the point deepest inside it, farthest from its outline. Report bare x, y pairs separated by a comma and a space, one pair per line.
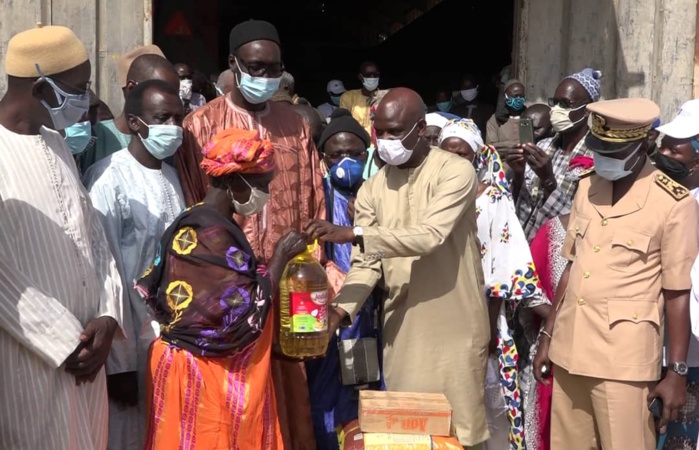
258, 69
563, 103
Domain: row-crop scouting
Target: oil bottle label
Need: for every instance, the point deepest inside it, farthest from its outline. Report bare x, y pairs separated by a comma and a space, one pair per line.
309, 312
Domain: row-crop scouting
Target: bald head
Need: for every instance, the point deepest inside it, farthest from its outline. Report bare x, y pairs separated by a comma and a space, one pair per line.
403, 105
153, 67
226, 81
401, 116
540, 116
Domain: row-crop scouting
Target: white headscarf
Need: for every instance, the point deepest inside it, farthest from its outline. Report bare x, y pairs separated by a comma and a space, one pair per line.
436, 120
464, 129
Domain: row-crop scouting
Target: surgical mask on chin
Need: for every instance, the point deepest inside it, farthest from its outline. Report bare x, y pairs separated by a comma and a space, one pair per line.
444, 106
347, 173
370, 84
78, 136
613, 169
393, 152
163, 140
256, 90
560, 118
254, 205
72, 107
469, 94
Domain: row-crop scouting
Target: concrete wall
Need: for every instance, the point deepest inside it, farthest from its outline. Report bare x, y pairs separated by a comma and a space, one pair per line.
645, 48
107, 27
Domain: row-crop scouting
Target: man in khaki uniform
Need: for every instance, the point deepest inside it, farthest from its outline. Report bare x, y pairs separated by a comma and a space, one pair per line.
632, 239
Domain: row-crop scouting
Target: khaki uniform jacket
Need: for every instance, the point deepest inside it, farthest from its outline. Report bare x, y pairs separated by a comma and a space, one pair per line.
610, 324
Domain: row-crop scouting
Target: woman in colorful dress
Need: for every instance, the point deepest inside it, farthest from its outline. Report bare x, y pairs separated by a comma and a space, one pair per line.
209, 382
510, 277
546, 249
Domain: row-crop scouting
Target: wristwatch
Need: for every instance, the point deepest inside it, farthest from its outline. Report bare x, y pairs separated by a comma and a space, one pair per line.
680, 368
358, 235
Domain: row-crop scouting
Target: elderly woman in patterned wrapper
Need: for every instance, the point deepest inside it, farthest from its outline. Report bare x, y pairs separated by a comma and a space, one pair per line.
510, 278
213, 302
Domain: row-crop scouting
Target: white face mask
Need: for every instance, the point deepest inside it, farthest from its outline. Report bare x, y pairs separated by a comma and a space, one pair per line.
393, 152
370, 84
470, 94
254, 205
186, 89
613, 169
560, 118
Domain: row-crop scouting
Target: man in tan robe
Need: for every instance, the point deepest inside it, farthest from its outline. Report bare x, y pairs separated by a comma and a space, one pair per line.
416, 225
296, 193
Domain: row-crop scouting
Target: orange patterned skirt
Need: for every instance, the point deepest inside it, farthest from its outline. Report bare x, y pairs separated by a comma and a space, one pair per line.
197, 403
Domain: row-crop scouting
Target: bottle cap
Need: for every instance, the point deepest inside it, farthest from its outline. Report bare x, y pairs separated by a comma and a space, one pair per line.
312, 248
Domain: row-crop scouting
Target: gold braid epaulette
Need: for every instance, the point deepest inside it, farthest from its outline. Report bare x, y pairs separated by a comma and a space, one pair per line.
599, 130
671, 186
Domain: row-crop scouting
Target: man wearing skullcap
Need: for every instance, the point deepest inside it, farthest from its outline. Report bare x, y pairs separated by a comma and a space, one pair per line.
136, 66
296, 193
540, 186
631, 242
60, 291
343, 147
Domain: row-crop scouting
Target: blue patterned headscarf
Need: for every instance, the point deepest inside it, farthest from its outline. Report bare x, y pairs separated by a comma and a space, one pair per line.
590, 80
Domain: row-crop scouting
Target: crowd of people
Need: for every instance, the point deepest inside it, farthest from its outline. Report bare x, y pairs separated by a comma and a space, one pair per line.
544, 287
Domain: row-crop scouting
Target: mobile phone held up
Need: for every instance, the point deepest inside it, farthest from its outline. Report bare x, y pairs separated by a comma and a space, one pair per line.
526, 131
656, 407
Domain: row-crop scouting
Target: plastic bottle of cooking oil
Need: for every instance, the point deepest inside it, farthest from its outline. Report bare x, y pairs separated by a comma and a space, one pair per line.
304, 307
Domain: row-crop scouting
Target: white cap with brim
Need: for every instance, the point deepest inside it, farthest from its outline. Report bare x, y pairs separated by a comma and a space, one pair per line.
686, 124
54, 49
336, 87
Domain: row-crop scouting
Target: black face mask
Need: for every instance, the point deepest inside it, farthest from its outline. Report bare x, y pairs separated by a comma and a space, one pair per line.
672, 168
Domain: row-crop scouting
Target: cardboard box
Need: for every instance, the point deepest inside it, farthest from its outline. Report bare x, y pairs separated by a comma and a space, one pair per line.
404, 413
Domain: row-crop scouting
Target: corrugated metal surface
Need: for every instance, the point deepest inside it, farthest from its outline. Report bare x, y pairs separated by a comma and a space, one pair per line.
107, 27
645, 48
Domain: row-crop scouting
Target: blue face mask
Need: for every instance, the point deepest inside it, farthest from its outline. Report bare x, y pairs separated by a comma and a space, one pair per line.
515, 103
163, 140
347, 173
256, 90
444, 106
335, 99
78, 136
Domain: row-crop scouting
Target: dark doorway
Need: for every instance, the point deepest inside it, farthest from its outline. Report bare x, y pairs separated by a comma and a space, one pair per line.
328, 39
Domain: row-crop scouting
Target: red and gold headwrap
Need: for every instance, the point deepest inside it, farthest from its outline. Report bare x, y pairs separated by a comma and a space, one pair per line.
241, 151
